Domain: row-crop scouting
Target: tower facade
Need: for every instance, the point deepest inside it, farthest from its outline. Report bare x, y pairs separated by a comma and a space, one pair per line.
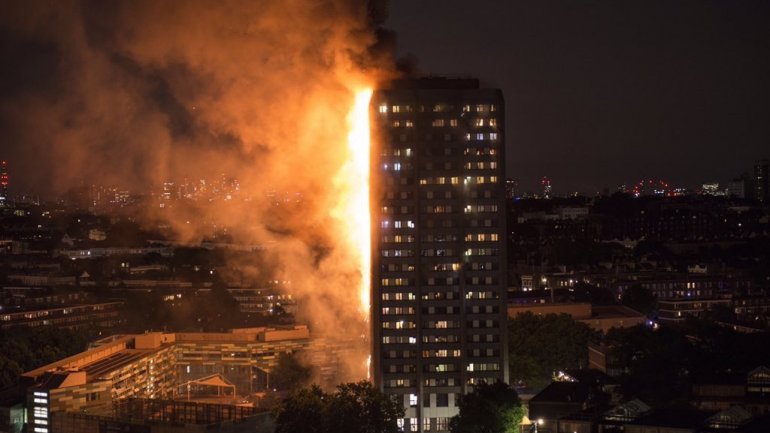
438, 244
3, 181
761, 181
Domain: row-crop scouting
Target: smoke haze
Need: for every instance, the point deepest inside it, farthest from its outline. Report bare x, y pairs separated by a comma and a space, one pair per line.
135, 93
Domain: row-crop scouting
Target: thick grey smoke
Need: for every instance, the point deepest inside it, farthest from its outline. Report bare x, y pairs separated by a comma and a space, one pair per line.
134, 93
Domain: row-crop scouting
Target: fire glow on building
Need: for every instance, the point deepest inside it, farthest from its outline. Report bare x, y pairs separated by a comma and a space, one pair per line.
354, 178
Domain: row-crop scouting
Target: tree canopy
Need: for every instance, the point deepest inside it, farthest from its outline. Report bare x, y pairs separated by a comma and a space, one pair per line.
24, 349
352, 408
540, 345
489, 408
290, 373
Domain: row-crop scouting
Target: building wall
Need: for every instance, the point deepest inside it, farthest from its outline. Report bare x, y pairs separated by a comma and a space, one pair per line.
438, 283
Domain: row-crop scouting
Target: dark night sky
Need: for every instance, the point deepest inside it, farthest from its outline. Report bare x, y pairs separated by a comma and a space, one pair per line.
600, 93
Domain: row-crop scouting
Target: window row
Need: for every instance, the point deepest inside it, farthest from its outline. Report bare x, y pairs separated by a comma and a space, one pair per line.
436, 108
481, 252
473, 149
398, 224
448, 309
386, 311
394, 281
480, 165
398, 296
480, 208
397, 239
427, 339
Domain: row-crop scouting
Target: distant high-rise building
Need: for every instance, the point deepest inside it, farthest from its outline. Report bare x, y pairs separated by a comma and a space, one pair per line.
438, 255
762, 180
547, 190
3, 181
511, 188
737, 188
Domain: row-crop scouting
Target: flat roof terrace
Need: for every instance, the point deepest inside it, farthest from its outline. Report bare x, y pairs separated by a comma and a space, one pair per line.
103, 367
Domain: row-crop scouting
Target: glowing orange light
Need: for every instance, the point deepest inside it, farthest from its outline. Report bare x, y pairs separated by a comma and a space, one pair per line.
353, 182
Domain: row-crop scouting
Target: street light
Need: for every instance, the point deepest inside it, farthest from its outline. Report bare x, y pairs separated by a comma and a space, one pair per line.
535, 424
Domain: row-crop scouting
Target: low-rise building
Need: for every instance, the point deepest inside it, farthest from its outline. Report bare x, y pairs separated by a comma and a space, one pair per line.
600, 318
151, 366
103, 315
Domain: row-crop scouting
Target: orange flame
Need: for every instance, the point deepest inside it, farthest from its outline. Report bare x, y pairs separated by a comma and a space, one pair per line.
353, 183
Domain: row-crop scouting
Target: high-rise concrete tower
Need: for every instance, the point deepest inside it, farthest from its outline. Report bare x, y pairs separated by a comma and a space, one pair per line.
761, 181
3, 181
438, 246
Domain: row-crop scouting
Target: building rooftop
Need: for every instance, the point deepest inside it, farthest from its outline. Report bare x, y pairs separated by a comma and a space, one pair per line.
563, 392
613, 311
113, 353
113, 362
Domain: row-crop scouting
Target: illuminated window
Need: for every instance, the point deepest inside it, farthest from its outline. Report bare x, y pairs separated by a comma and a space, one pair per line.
426, 424
413, 424
442, 423
383, 108
413, 400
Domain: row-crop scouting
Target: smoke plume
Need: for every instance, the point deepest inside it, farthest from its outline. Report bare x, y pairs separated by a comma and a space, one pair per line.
137, 93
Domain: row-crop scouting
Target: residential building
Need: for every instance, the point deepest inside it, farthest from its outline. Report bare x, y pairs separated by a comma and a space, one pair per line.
438, 257
103, 315
159, 366
761, 182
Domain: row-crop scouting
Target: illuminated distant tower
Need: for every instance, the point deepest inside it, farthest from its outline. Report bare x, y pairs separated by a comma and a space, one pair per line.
511, 188
3, 181
546, 187
438, 245
762, 180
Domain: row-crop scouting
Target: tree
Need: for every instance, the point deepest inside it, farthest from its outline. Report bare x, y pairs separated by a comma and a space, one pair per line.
657, 364
640, 299
9, 372
24, 349
540, 345
290, 374
492, 408
361, 408
353, 408
303, 411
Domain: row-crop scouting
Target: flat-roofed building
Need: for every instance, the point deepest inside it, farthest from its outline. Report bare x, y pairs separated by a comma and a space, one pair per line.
153, 365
